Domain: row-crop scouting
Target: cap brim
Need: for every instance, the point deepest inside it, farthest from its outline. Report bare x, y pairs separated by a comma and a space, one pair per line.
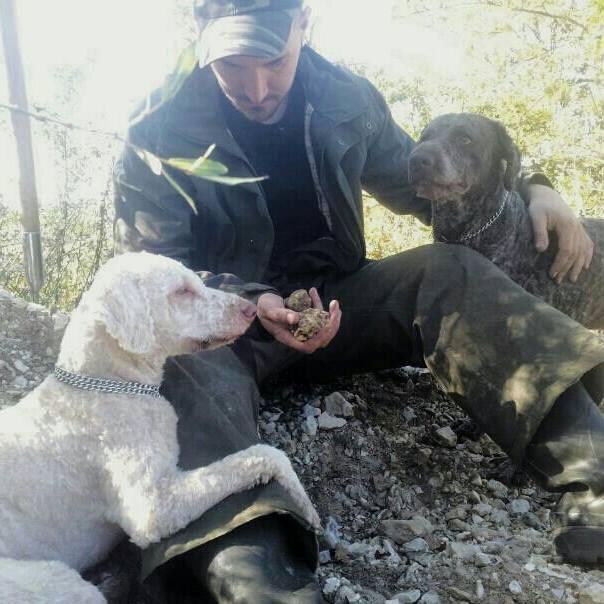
260, 34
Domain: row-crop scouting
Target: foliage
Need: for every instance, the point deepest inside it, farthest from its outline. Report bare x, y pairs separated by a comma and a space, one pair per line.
536, 65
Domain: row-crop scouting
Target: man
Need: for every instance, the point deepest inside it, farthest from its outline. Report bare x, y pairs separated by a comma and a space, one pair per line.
273, 106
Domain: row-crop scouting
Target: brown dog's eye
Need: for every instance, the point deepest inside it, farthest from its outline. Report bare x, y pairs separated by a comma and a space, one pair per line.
464, 140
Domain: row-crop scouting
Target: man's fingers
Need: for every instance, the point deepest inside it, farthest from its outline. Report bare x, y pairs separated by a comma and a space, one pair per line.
281, 316
565, 259
539, 223
315, 298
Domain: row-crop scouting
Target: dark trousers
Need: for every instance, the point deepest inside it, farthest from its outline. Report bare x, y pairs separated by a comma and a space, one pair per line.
501, 353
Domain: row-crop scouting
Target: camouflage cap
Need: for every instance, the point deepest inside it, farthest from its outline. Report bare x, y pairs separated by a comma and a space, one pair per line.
257, 28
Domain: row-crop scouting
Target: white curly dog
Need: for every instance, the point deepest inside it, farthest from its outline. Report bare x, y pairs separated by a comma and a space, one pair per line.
79, 468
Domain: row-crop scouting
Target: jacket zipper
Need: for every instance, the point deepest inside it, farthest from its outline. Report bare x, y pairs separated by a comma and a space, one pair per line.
322, 200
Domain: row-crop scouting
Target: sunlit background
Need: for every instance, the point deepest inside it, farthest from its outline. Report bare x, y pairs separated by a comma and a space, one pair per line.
536, 65
89, 62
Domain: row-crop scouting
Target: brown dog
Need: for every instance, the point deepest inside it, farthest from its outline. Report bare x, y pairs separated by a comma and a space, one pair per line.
467, 165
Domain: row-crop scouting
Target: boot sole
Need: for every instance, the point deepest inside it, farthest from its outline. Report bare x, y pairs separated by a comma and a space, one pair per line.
580, 544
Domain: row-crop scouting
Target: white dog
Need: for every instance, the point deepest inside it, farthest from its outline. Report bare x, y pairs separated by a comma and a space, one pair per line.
79, 466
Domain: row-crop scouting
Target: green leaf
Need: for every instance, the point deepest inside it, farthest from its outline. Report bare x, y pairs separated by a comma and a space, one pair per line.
151, 160
180, 190
198, 168
209, 170
233, 180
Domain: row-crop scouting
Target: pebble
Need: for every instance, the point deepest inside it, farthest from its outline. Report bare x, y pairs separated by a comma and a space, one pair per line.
329, 422
406, 597
418, 546
591, 594
515, 587
446, 436
519, 506
430, 597
20, 366
310, 425
497, 488
337, 405
331, 585
324, 556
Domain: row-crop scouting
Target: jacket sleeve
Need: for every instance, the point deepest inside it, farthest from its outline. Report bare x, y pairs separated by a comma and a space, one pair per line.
385, 173
151, 216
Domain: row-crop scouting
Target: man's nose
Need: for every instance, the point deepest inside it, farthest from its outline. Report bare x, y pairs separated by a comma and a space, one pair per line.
256, 87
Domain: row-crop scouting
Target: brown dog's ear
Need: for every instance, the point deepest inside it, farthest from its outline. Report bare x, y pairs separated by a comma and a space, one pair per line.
510, 153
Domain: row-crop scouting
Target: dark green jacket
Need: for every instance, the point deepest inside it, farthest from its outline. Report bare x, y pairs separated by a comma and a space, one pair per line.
352, 142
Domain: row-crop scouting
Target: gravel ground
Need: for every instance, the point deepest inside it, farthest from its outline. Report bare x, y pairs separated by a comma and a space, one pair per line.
417, 507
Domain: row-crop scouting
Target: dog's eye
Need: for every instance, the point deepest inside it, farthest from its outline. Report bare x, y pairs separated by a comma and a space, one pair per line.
184, 291
464, 140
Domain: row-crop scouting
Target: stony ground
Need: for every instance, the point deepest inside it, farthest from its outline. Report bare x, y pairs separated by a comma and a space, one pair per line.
417, 507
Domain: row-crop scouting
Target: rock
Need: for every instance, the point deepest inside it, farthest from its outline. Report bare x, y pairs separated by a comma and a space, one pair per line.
324, 556
591, 594
329, 422
310, 426
331, 585
464, 551
20, 383
310, 411
416, 546
500, 517
347, 595
20, 366
481, 560
446, 436
479, 590
402, 531
459, 513
407, 597
515, 587
519, 506
268, 427
430, 597
332, 533
336, 404
497, 488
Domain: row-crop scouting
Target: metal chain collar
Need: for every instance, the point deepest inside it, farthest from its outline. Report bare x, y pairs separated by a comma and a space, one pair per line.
484, 227
86, 382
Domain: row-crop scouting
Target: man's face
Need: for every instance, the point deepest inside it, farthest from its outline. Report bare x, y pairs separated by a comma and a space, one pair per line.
259, 87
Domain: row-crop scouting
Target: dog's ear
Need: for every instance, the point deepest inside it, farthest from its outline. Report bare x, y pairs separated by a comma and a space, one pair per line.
510, 154
126, 313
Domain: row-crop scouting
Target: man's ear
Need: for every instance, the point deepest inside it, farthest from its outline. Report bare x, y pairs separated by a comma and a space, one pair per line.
509, 152
125, 312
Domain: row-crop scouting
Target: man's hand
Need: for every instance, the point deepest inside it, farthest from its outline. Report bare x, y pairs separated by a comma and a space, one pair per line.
277, 319
548, 212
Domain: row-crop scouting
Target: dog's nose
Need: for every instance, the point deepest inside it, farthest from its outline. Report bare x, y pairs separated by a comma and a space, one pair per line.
249, 310
420, 161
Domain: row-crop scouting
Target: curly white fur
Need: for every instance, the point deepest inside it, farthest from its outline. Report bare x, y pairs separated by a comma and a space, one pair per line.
80, 468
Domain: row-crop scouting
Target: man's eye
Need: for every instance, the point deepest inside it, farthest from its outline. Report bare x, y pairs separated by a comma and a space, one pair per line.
464, 140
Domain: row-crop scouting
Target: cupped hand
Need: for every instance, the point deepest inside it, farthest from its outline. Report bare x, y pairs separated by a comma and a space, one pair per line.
277, 320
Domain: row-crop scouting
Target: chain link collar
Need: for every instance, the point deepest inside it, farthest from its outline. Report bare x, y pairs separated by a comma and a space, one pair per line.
86, 382
483, 228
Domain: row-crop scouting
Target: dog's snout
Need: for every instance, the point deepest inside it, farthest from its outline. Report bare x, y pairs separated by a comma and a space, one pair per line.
420, 161
249, 310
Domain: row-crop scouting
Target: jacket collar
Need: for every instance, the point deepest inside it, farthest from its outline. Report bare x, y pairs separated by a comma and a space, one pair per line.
194, 113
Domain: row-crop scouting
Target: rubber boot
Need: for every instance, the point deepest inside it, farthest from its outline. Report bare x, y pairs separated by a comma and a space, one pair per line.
261, 562
567, 455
